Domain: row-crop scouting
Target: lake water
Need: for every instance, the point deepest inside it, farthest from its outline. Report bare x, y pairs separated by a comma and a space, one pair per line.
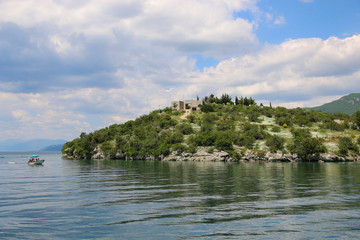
78, 199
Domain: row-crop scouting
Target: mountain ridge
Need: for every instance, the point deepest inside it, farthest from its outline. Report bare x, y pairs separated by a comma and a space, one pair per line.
348, 104
18, 145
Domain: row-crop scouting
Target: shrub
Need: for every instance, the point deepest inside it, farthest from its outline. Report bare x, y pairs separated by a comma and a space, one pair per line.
163, 149
191, 118
331, 125
191, 148
177, 137
228, 124
307, 147
284, 120
108, 148
275, 143
185, 128
253, 130
275, 129
346, 144
206, 108
245, 141
209, 118
223, 141
179, 148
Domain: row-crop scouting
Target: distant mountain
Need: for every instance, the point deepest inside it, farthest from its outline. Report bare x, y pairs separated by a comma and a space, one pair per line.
52, 148
17, 145
348, 104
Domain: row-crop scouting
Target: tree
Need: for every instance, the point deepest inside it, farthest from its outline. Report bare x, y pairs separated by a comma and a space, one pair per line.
236, 101
305, 146
356, 118
225, 98
212, 98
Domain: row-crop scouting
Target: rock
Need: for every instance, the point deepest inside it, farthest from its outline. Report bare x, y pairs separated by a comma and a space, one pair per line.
98, 154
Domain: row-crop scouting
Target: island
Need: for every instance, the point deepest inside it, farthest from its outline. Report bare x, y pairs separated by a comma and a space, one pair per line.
222, 129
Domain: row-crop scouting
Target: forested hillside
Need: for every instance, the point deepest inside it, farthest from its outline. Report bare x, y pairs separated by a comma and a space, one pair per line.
224, 125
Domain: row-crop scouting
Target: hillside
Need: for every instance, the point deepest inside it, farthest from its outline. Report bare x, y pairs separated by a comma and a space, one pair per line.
348, 104
225, 131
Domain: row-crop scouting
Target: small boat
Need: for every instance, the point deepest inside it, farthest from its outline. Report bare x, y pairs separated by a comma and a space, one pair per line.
35, 160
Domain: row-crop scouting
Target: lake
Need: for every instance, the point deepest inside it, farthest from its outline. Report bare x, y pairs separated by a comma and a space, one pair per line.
112, 199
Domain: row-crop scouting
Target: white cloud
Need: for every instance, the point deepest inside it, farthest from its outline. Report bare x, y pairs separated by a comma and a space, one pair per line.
39, 115
296, 69
72, 66
184, 25
280, 20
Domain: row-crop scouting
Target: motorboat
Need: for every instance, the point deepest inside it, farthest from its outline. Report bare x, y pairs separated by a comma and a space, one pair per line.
35, 160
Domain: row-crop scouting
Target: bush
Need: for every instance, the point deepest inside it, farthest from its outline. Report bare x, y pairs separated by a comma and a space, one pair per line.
177, 137
305, 146
223, 141
275, 129
253, 130
346, 144
284, 120
185, 128
226, 125
179, 148
209, 118
331, 125
206, 108
163, 149
275, 143
191, 118
245, 141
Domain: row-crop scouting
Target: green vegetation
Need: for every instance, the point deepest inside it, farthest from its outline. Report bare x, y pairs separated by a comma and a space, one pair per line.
225, 125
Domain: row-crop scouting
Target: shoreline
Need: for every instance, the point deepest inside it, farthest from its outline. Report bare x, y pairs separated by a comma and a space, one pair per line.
221, 156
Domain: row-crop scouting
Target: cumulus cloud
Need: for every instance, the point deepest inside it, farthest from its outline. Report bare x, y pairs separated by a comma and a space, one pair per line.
38, 115
296, 69
73, 66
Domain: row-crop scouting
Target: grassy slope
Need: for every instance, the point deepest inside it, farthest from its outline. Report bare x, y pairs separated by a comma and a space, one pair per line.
331, 137
241, 117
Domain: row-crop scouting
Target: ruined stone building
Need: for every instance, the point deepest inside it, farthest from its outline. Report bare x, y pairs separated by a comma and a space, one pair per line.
187, 104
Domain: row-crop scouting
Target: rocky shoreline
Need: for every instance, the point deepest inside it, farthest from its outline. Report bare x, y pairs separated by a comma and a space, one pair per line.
221, 156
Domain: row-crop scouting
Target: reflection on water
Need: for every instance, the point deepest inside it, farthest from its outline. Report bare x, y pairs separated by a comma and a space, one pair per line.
87, 199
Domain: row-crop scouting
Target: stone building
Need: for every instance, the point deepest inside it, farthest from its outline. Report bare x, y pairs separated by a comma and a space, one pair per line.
187, 104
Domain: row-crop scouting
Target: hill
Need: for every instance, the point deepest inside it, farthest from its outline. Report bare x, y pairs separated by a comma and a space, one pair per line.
348, 104
52, 148
223, 130
17, 145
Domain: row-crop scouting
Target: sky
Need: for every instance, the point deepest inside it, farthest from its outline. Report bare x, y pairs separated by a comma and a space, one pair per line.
68, 67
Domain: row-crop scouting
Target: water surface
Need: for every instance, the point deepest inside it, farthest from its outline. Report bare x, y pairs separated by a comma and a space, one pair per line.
84, 199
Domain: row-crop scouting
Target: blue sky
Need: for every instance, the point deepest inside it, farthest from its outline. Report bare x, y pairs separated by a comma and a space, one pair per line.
68, 67
317, 18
